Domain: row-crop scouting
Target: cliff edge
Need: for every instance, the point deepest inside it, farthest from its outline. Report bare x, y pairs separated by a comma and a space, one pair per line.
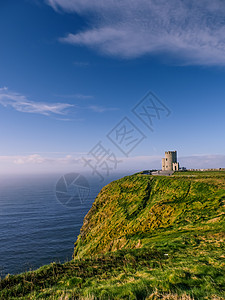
145, 211
145, 237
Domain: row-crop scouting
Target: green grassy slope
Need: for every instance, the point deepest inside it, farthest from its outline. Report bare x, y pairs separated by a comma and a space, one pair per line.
145, 237
137, 211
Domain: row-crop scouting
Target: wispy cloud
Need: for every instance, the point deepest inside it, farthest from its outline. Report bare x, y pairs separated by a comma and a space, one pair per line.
101, 109
39, 163
76, 96
61, 162
192, 31
37, 159
203, 161
22, 104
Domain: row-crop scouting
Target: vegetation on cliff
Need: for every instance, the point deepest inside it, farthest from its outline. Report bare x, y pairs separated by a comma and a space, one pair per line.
145, 237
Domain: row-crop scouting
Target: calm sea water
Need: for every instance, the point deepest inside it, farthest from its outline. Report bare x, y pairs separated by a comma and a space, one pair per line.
35, 228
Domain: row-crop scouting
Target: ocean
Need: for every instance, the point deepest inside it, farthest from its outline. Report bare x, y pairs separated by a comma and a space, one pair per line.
38, 222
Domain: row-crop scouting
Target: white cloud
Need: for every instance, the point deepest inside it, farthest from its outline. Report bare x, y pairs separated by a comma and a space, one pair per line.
193, 31
101, 109
36, 159
31, 159
77, 96
58, 162
22, 104
39, 163
203, 161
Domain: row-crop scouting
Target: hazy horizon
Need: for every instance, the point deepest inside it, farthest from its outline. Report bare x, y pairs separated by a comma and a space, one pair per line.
134, 79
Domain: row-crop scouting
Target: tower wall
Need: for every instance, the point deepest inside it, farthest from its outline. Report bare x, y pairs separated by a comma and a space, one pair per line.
169, 160
163, 164
176, 166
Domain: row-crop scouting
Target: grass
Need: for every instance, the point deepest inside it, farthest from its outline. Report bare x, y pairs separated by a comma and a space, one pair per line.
145, 237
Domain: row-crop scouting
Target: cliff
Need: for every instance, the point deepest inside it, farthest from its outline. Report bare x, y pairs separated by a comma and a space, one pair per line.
145, 237
141, 211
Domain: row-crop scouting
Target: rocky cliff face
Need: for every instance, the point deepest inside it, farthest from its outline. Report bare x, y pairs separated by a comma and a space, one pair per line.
142, 211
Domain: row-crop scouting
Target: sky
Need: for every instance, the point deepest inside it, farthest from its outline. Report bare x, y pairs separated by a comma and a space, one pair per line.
105, 86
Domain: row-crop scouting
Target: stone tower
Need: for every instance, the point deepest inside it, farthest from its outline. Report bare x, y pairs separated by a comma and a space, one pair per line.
169, 163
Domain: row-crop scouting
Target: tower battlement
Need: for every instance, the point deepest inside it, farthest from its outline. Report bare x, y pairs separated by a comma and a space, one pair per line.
170, 152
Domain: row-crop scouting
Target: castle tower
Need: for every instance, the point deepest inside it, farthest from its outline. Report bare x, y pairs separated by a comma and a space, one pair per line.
169, 163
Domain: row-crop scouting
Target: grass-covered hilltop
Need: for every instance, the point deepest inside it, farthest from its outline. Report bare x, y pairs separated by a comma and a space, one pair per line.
145, 237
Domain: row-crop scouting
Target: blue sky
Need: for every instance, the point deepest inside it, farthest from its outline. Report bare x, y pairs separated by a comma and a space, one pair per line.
70, 71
